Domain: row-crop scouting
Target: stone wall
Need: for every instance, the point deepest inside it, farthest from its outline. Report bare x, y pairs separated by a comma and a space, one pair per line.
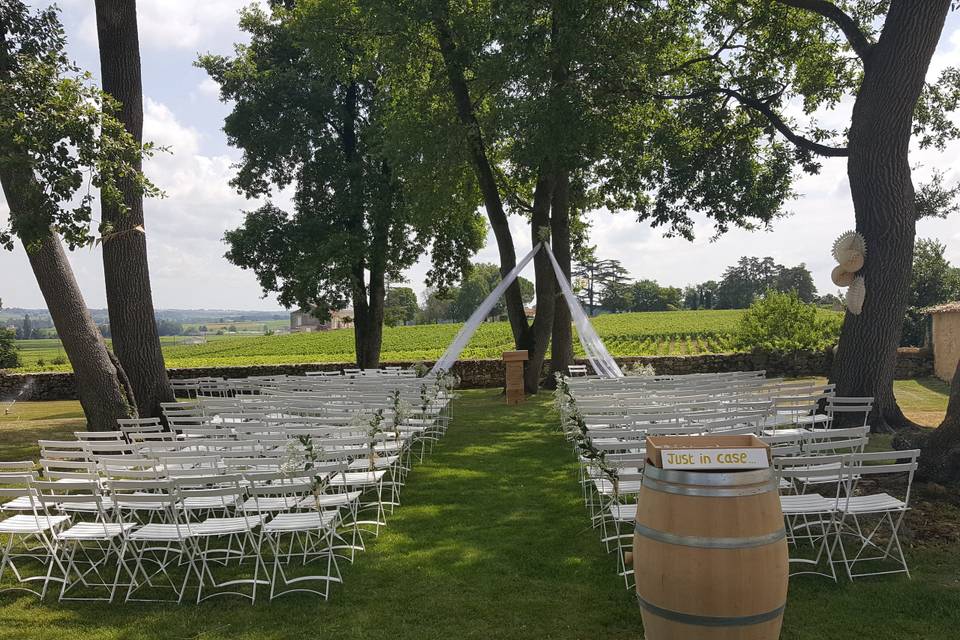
911, 363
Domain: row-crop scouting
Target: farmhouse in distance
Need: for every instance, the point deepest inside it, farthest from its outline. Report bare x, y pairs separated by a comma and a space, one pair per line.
306, 322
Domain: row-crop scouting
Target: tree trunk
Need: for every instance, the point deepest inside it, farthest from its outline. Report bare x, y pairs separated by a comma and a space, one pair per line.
493, 203
374, 330
883, 196
561, 349
99, 386
542, 328
133, 324
940, 450
98, 382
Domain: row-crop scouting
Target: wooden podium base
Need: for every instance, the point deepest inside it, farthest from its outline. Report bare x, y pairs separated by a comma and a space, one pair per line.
514, 384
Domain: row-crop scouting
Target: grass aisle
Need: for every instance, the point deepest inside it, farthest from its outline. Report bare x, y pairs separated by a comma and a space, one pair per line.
492, 541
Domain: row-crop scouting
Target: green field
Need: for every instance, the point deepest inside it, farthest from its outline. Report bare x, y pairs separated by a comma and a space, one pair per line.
626, 334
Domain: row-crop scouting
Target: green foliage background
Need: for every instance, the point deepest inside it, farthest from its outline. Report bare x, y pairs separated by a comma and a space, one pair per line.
782, 323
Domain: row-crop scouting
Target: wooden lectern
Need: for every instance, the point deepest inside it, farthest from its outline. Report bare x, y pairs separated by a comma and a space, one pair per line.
514, 363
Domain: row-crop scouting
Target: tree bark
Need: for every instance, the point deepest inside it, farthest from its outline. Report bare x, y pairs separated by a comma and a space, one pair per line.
883, 196
940, 450
368, 320
542, 328
99, 385
493, 203
561, 349
126, 270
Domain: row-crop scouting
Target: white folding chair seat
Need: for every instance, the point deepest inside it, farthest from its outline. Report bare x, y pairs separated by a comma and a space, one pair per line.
160, 532
95, 530
301, 521
874, 503
22, 524
807, 503
330, 500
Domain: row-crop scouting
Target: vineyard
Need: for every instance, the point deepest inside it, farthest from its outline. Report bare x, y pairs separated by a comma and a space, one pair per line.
627, 334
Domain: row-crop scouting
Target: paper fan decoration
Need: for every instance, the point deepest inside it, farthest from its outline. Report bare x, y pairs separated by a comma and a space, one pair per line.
856, 295
854, 264
841, 277
848, 246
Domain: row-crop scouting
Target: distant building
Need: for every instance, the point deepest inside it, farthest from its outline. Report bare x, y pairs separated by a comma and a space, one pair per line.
946, 339
302, 322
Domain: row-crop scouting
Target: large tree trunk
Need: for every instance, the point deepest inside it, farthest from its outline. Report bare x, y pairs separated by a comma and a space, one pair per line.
493, 203
368, 306
99, 385
126, 272
561, 344
883, 198
542, 328
940, 455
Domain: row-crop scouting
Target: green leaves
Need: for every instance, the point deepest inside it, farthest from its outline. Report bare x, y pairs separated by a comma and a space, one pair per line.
323, 102
60, 138
782, 323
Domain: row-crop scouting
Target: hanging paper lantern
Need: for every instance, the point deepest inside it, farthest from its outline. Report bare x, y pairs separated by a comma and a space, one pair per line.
856, 294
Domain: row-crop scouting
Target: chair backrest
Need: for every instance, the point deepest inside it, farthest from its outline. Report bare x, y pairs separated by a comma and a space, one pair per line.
849, 405
17, 468
821, 470
877, 463
129, 426
100, 436
829, 447
57, 469
62, 449
146, 495
108, 447
62, 494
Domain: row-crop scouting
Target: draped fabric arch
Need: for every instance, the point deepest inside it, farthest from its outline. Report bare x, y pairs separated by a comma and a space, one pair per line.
597, 353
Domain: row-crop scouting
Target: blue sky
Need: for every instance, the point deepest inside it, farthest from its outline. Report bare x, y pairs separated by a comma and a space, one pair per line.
184, 230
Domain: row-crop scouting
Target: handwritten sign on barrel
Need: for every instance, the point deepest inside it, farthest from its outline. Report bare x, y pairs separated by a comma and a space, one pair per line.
708, 453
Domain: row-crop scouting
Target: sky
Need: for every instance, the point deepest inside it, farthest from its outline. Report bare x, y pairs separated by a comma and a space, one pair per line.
185, 230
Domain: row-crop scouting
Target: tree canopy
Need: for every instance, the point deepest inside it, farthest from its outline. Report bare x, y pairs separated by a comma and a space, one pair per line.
752, 277
318, 106
58, 126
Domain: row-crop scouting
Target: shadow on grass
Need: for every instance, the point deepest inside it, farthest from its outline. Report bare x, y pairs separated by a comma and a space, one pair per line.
934, 384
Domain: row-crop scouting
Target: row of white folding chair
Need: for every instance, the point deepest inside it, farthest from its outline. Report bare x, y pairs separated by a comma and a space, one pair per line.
844, 512
173, 499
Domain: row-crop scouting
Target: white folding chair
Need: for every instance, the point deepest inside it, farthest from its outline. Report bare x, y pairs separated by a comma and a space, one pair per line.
84, 551
812, 517
858, 511
28, 542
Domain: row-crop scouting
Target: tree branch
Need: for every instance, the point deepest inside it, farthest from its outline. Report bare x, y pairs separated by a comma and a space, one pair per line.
764, 108
778, 123
855, 36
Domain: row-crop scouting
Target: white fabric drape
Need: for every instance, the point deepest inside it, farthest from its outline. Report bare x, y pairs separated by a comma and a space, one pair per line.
600, 359
473, 322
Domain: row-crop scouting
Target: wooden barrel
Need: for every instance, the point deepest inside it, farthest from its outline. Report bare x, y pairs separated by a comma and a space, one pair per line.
710, 555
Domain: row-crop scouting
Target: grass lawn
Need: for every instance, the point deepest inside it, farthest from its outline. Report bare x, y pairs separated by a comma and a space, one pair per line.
492, 541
